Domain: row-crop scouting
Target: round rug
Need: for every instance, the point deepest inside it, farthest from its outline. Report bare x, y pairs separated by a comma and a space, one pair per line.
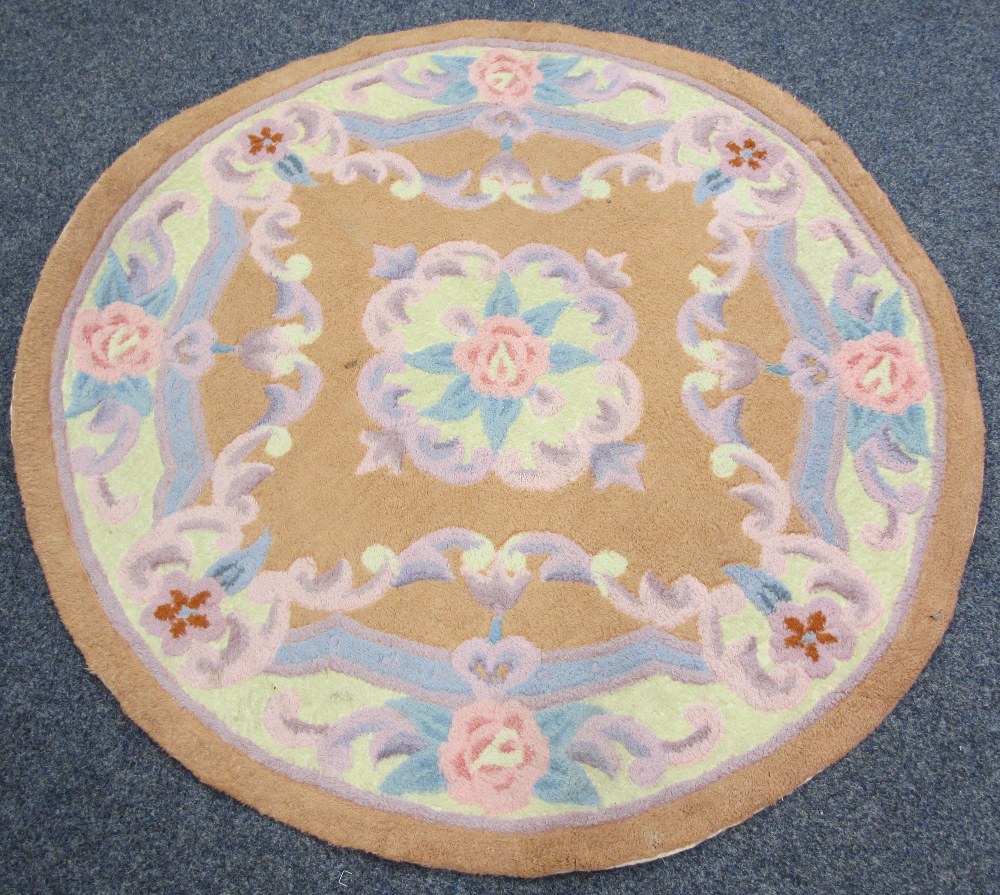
502, 447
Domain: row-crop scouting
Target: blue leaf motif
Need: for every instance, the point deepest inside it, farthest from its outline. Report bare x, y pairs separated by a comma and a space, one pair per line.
503, 301
862, 424
157, 301
458, 402
849, 326
888, 315
910, 430
86, 393
235, 571
762, 589
499, 414
459, 92
454, 64
566, 782
712, 183
113, 285
554, 95
542, 318
564, 357
419, 773
134, 391
432, 722
436, 359
293, 169
555, 67
560, 723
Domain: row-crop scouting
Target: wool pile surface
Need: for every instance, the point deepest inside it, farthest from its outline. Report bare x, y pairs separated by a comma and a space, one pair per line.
505, 448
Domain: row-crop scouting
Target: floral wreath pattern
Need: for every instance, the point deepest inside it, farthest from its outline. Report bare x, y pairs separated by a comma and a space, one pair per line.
512, 366
525, 351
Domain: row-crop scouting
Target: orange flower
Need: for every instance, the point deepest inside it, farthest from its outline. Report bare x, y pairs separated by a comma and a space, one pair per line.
814, 636
266, 141
748, 154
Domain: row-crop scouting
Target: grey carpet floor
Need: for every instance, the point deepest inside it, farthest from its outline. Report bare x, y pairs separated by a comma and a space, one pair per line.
90, 805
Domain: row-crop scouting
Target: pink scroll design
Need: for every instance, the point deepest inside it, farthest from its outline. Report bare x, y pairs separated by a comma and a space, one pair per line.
248, 645
736, 663
596, 744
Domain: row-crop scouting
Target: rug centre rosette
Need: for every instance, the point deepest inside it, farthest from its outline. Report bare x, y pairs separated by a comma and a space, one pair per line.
498, 434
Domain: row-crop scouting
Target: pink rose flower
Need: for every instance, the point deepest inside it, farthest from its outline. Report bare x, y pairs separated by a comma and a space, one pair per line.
185, 611
813, 636
119, 340
881, 371
503, 76
503, 358
746, 154
494, 755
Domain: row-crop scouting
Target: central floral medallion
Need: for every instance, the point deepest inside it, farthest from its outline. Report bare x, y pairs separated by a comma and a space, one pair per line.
507, 365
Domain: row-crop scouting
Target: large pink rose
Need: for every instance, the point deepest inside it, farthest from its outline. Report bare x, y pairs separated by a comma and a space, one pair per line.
881, 371
119, 340
503, 76
503, 358
494, 756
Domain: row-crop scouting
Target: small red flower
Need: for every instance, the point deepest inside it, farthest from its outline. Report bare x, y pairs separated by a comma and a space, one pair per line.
749, 154
178, 613
266, 141
746, 154
814, 636
806, 636
185, 610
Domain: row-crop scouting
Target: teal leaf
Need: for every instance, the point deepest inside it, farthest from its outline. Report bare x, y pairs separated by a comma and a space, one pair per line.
235, 571
560, 723
459, 92
419, 773
453, 64
499, 414
910, 430
888, 315
566, 782
113, 285
555, 67
554, 95
134, 391
458, 402
563, 358
294, 170
432, 722
712, 183
762, 589
157, 301
542, 318
862, 424
503, 301
436, 359
849, 326
86, 393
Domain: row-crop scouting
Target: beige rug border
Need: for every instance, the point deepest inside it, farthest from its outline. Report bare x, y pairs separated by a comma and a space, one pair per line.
656, 832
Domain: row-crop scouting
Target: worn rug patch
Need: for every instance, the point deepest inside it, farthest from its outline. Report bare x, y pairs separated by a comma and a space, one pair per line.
502, 447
